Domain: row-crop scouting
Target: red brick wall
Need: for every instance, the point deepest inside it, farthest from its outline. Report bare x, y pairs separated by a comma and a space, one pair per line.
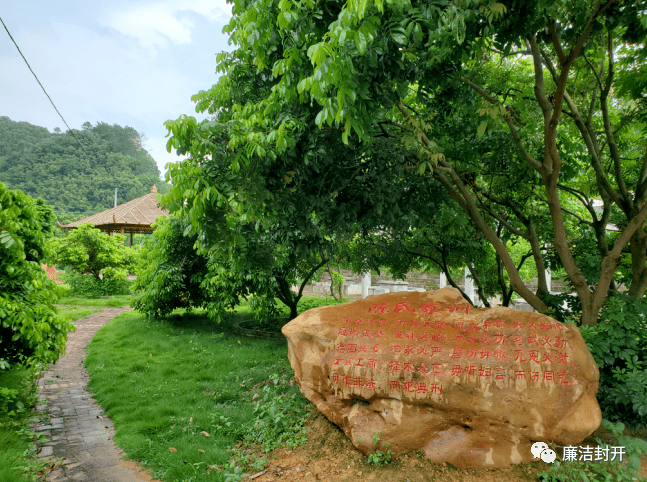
51, 273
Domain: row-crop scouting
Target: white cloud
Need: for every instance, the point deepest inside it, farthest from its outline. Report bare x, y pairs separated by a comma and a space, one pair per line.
97, 75
155, 24
92, 76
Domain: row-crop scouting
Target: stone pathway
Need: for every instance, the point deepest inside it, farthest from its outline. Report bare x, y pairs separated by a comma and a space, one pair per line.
75, 424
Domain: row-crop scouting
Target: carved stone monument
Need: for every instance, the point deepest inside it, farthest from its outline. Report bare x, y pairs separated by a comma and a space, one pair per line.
472, 387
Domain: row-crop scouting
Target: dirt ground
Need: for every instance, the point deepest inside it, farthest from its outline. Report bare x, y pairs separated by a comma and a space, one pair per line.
329, 455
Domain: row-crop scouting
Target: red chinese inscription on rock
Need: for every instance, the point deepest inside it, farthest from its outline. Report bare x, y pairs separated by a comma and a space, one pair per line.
494, 372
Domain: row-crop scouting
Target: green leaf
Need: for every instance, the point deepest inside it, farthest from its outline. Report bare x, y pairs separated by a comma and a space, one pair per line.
417, 33
481, 128
399, 38
360, 42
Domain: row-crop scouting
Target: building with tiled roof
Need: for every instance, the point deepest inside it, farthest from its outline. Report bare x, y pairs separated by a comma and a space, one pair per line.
135, 216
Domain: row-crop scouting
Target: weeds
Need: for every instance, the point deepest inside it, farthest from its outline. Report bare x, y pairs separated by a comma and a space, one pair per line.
17, 397
280, 415
378, 457
591, 471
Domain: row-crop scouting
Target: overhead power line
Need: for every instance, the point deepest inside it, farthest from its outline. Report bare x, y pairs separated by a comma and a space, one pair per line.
41, 86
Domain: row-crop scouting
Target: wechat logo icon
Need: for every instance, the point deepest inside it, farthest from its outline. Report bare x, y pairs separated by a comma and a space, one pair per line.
541, 450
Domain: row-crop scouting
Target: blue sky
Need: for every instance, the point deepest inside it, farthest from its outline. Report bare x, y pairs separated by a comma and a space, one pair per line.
134, 62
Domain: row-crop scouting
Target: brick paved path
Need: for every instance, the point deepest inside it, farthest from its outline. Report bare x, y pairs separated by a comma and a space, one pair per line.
77, 428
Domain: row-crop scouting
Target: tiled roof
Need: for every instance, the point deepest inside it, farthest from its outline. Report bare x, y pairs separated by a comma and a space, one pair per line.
141, 211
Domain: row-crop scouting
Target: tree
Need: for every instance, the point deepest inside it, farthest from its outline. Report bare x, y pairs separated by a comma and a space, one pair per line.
29, 326
448, 244
19, 136
539, 75
173, 274
248, 258
88, 250
170, 273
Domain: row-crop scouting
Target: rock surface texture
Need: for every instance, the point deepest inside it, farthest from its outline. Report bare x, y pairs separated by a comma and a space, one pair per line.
472, 387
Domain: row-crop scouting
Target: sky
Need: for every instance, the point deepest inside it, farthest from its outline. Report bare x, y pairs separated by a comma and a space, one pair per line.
133, 63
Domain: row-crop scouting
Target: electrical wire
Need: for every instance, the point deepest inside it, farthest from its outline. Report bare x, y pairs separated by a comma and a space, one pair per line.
41, 86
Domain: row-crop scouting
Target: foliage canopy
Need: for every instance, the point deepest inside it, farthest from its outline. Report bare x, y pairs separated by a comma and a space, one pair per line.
29, 327
524, 112
88, 250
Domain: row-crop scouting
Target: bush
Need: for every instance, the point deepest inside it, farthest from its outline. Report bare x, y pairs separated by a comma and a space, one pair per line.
28, 323
601, 471
18, 395
90, 286
169, 271
619, 345
88, 250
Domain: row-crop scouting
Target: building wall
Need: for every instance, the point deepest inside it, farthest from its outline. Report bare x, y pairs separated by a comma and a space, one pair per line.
416, 279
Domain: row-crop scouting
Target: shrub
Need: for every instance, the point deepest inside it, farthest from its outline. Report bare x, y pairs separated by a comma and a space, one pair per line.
28, 325
169, 271
88, 250
619, 345
18, 395
601, 471
90, 286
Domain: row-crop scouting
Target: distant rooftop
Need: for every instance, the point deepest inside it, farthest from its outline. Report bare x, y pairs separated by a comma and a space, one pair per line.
135, 215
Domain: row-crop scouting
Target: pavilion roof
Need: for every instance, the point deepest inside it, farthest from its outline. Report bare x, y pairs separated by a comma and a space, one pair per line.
140, 212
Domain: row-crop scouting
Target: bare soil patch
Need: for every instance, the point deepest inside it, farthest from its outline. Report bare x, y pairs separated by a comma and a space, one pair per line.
329, 455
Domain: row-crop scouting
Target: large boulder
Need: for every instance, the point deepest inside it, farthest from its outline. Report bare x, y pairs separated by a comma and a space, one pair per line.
472, 387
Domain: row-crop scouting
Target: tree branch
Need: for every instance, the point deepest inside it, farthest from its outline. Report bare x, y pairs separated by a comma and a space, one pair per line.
462, 196
641, 189
552, 28
309, 275
588, 135
579, 218
626, 201
508, 118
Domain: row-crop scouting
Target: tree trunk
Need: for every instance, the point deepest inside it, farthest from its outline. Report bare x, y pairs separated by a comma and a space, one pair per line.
533, 238
600, 228
589, 314
287, 297
293, 311
638, 246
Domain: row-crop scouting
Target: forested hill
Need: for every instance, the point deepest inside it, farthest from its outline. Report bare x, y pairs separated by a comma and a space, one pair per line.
76, 178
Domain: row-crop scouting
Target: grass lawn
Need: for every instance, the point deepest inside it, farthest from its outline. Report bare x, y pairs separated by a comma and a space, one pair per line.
17, 399
183, 391
111, 301
72, 313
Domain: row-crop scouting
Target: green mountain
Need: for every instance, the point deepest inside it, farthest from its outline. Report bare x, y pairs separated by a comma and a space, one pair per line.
76, 176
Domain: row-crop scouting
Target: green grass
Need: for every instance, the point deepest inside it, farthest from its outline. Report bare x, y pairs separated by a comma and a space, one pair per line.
111, 301
164, 382
73, 314
17, 400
